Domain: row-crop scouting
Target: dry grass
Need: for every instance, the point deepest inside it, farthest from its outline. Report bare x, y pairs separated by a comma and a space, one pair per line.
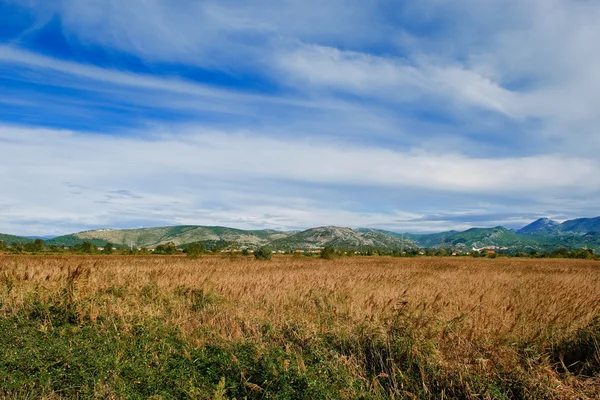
476, 317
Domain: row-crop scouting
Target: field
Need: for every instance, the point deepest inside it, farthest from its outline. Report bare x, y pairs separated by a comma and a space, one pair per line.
298, 327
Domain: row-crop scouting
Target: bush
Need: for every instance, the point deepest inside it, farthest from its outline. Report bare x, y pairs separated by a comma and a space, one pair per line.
328, 253
87, 247
264, 253
195, 250
108, 248
167, 248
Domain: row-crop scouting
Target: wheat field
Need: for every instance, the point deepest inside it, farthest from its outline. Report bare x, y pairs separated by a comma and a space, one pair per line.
354, 327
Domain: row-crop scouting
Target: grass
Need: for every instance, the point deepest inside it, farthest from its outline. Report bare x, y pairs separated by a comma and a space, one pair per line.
298, 327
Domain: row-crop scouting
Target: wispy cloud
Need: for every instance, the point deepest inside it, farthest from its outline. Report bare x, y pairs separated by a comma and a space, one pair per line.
168, 177
414, 116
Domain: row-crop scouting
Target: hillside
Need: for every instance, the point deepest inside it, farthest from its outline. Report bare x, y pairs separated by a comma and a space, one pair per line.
542, 225
8, 239
476, 237
541, 235
151, 237
72, 240
340, 237
547, 227
581, 225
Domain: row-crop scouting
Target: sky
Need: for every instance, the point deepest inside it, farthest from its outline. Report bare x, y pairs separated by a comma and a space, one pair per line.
409, 116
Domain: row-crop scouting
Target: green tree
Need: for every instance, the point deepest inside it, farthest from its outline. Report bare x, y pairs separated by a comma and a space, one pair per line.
328, 253
38, 244
195, 250
2, 246
166, 248
16, 247
87, 247
108, 249
264, 253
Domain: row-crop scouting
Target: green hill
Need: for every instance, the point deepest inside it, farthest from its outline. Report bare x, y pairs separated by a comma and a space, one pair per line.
72, 240
152, 237
8, 239
541, 235
477, 238
340, 237
571, 241
581, 225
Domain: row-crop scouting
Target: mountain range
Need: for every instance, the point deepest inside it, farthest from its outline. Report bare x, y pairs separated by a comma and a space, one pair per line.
541, 235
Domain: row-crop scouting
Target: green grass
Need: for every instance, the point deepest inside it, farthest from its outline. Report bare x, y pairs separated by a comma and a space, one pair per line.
48, 350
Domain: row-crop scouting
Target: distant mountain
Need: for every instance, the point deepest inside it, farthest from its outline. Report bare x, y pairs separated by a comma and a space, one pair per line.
571, 241
152, 237
47, 237
547, 227
581, 225
542, 225
336, 236
475, 238
541, 235
8, 239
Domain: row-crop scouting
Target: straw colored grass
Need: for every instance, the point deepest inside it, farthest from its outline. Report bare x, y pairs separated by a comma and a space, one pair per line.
469, 326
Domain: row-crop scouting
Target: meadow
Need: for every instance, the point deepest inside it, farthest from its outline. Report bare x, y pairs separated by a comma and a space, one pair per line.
295, 327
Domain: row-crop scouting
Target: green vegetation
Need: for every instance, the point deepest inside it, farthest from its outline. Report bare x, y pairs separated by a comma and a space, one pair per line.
195, 250
14, 239
152, 237
477, 237
48, 350
328, 253
167, 248
72, 241
264, 253
541, 237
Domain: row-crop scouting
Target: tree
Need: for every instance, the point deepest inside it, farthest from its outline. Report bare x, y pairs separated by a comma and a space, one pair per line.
328, 253
264, 253
34, 246
87, 247
195, 250
38, 244
108, 249
16, 247
166, 248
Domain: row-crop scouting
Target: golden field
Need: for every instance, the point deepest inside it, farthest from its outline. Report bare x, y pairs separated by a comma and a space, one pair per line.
390, 327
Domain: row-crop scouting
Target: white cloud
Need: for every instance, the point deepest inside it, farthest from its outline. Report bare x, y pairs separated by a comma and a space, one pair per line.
393, 79
247, 155
79, 179
344, 111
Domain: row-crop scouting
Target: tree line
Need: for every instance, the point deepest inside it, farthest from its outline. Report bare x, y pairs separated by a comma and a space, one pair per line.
197, 249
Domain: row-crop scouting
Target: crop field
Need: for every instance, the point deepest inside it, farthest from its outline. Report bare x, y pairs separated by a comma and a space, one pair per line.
221, 327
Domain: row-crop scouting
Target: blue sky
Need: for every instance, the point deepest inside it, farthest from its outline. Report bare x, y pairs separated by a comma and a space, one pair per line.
409, 116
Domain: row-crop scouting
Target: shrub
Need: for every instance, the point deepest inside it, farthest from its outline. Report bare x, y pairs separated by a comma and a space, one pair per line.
195, 250
167, 248
328, 253
264, 253
108, 248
